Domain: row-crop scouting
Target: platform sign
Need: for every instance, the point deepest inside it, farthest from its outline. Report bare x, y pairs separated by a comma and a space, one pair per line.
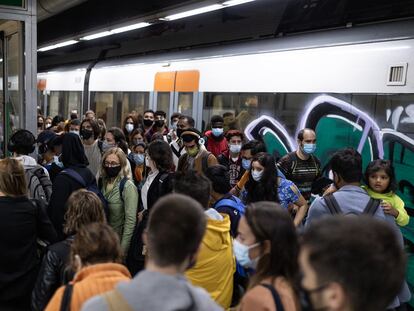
13, 3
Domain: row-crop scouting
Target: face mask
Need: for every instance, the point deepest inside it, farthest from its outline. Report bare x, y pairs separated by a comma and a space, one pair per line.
112, 171
241, 252
159, 123
246, 164
192, 152
174, 126
86, 134
257, 175
75, 132
235, 148
129, 127
309, 148
57, 161
217, 131
39, 124
138, 158
106, 146
148, 122
48, 125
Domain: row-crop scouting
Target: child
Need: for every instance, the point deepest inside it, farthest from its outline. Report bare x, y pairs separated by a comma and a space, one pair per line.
381, 184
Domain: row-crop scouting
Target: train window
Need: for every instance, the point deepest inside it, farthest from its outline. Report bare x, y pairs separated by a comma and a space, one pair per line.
185, 103
63, 102
103, 105
134, 103
163, 102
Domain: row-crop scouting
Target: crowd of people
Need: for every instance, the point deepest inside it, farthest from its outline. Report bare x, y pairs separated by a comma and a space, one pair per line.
157, 215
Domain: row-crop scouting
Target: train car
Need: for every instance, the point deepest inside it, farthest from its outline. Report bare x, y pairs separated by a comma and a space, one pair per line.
358, 81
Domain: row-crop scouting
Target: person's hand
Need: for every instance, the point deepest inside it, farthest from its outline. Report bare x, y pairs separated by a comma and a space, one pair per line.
389, 209
140, 216
331, 189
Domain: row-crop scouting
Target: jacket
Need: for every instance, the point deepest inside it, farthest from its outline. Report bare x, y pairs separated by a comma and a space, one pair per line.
260, 298
62, 188
202, 160
215, 264
215, 145
53, 273
21, 223
235, 169
154, 291
122, 211
88, 282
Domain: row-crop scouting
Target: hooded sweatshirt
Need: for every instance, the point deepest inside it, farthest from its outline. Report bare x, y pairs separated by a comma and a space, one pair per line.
154, 291
215, 264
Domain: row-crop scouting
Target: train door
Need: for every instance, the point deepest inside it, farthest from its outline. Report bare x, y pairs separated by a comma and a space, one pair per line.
177, 91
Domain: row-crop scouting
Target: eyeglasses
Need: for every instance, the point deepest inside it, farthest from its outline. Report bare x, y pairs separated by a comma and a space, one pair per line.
111, 164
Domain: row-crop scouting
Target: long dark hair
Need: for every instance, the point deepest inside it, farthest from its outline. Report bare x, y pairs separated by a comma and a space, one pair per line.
119, 138
266, 188
270, 222
160, 152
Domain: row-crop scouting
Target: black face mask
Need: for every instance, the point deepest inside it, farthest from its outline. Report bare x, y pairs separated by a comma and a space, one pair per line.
112, 171
148, 122
159, 123
39, 124
86, 134
179, 132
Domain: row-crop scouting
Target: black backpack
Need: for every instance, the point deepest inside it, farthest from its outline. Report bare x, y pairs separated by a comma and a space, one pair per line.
334, 208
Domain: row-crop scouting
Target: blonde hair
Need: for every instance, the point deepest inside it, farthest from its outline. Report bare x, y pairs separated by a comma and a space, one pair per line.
125, 170
12, 178
83, 207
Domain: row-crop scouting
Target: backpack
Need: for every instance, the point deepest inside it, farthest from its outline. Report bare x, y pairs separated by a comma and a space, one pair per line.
38, 184
234, 202
66, 302
93, 187
334, 208
121, 187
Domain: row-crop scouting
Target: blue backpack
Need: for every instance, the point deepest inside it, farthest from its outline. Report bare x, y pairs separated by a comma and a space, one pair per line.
234, 202
93, 187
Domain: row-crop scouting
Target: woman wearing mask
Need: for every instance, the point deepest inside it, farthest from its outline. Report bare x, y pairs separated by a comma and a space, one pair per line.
84, 207
48, 123
89, 132
74, 176
137, 136
267, 243
21, 223
265, 185
137, 160
129, 124
114, 137
158, 183
121, 194
96, 257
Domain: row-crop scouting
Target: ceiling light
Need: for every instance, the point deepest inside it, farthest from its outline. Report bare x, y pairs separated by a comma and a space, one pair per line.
202, 10
236, 2
58, 45
130, 27
97, 35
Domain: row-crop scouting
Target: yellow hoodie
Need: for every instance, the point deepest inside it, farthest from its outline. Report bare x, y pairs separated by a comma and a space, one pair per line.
215, 264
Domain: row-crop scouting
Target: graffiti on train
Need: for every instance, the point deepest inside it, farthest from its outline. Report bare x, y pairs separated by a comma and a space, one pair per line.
339, 124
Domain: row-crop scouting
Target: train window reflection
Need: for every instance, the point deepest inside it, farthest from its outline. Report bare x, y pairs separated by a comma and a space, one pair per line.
163, 102
63, 102
185, 103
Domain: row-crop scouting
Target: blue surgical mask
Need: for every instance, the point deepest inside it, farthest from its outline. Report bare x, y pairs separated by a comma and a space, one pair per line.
75, 132
257, 175
57, 161
138, 158
106, 146
309, 148
234, 148
246, 164
241, 252
217, 131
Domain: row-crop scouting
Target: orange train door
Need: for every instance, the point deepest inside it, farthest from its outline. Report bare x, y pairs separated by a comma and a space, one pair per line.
177, 91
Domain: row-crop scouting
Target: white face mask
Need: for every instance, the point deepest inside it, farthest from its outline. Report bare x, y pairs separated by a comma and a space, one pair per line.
129, 127
235, 148
74, 132
257, 175
241, 252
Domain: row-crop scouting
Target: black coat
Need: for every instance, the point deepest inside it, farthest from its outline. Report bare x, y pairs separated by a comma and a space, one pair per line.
62, 188
54, 272
21, 223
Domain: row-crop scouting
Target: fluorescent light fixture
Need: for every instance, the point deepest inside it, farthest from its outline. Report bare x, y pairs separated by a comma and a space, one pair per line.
97, 35
58, 45
201, 10
236, 2
130, 27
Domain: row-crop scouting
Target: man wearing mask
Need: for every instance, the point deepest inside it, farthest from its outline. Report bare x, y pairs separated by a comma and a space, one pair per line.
215, 141
302, 166
196, 157
74, 126
177, 146
158, 127
89, 133
148, 120
231, 158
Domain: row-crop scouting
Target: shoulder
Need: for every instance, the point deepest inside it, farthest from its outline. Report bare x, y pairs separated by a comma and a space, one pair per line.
95, 303
255, 299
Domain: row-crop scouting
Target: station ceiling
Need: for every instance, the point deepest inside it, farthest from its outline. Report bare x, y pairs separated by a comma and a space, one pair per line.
250, 21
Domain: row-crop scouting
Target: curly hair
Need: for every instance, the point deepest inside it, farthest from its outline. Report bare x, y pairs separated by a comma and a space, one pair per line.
83, 207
